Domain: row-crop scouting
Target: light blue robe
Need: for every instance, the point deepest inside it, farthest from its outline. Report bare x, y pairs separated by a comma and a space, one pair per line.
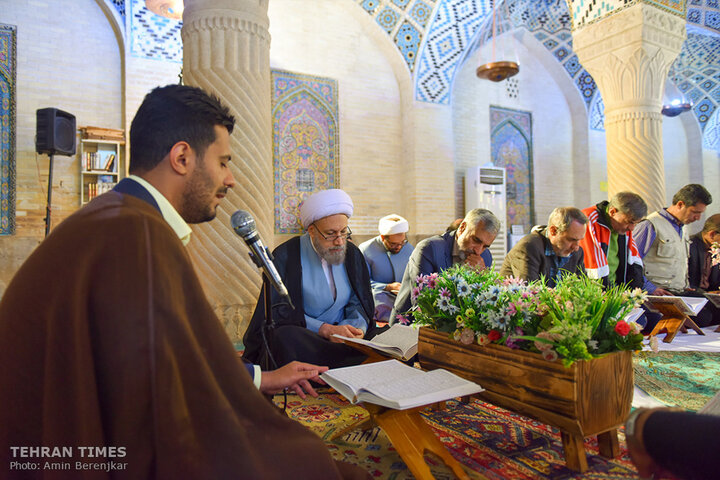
384, 268
320, 307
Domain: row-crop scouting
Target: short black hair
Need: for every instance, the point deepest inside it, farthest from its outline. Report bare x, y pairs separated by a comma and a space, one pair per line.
172, 114
692, 194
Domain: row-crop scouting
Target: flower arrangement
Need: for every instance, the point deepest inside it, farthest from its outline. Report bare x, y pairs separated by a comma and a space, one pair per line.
576, 320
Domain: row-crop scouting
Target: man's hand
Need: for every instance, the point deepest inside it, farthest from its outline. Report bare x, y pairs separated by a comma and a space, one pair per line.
327, 331
393, 287
294, 375
661, 291
475, 261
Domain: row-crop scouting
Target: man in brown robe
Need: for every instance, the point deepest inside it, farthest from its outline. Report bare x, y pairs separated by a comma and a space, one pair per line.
112, 362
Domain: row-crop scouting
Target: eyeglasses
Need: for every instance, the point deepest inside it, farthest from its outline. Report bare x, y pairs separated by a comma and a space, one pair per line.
344, 233
398, 245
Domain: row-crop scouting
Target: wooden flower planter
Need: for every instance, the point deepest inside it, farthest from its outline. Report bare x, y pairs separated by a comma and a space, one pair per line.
588, 398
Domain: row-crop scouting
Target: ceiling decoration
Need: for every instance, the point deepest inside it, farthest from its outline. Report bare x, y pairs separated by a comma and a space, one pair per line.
405, 21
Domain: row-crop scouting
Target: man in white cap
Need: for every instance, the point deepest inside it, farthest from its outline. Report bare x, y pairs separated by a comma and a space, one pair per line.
386, 256
328, 282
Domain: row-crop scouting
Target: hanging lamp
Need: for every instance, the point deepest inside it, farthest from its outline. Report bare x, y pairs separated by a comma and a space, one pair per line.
496, 71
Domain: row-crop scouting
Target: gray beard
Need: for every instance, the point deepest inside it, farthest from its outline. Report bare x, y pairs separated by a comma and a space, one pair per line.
334, 255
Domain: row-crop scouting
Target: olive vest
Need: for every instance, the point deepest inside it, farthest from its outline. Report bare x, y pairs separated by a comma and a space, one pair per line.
666, 263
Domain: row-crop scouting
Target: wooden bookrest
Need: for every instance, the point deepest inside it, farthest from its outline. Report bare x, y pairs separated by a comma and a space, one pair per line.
673, 319
406, 429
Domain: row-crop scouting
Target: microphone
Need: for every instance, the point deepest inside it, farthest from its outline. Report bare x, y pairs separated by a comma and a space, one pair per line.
244, 225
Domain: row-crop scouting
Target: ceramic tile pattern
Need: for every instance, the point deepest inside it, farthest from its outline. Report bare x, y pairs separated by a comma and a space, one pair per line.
154, 36
8, 73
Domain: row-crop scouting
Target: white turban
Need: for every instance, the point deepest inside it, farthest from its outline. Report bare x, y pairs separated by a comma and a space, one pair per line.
392, 224
323, 204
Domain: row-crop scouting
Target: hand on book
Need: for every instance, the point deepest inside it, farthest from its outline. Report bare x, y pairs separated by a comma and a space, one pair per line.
295, 376
327, 331
662, 291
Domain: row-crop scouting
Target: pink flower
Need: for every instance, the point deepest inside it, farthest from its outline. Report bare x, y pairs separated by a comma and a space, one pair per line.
402, 319
432, 280
550, 355
444, 292
415, 293
622, 328
420, 280
467, 336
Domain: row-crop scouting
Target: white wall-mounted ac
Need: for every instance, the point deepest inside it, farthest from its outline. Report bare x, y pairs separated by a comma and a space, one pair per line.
485, 188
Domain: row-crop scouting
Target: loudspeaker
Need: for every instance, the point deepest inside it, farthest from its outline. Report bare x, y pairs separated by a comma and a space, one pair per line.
55, 132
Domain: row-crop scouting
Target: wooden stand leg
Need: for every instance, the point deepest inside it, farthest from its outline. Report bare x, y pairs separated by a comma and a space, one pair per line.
608, 444
690, 323
412, 437
575, 457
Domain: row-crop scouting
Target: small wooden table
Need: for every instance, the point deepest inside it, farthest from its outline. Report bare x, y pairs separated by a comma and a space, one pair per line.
406, 429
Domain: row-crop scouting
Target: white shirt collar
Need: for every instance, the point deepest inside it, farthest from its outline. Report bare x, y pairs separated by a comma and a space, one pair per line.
171, 216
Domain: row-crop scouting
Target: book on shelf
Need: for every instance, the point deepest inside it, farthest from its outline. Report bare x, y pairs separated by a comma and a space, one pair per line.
399, 341
395, 385
690, 306
109, 163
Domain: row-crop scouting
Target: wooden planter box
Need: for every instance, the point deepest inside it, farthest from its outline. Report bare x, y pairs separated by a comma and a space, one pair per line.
588, 398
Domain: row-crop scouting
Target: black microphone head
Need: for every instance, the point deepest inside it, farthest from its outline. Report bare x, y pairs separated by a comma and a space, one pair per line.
243, 223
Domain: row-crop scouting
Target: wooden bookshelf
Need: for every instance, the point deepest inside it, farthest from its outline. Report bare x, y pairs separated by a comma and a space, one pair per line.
101, 161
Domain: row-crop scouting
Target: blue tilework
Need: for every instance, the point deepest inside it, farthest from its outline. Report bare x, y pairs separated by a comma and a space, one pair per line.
120, 7
597, 113
401, 3
153, 36
711, 135
420, 12
387, 19
370, 5
408, 41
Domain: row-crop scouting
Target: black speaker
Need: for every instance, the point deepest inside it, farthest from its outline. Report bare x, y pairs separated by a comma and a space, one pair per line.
55, 132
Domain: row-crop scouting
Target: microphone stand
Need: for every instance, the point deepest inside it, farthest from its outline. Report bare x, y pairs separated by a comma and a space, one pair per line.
267, 361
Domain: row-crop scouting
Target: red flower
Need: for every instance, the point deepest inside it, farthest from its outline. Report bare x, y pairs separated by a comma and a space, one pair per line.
622, 328
494, 335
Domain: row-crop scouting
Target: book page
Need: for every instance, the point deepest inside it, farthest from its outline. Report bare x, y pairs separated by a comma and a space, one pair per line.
399, 341
431, 387
695, 303
402, 336
687, 305
361, 376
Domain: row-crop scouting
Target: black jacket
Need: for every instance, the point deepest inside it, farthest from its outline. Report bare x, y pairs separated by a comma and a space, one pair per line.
287, 262
696, 262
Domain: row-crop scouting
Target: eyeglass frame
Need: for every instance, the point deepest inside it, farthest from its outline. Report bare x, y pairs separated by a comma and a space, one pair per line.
332, 238
401, 244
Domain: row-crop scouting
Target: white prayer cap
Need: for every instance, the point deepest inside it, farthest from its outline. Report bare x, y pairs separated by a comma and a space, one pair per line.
323, 204
392, 224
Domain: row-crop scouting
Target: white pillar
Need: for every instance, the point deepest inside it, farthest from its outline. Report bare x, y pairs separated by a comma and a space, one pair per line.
226, 46
629, 54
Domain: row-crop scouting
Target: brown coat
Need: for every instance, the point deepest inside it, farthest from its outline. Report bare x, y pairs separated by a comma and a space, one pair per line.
107, 340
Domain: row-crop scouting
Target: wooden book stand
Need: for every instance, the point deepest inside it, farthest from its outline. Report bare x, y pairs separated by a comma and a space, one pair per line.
674, 318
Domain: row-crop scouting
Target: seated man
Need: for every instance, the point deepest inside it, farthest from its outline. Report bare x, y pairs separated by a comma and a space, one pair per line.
328, 282
663, 243
549, 250
702, 274
386, 256
609, 250
468, 244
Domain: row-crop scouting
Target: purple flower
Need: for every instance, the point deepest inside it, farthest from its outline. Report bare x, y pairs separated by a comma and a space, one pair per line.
402, 319
444, 293
432, 281
420, 280
415, 293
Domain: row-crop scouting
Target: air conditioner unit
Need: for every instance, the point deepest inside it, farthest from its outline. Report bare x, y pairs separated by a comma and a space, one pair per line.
485, 188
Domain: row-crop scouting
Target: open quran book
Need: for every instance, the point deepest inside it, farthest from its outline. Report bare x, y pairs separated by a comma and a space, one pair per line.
399, 341
393, 384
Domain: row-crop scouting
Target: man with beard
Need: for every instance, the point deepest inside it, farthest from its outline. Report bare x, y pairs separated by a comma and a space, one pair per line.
109, 345
387, 256
468, 244
328, 282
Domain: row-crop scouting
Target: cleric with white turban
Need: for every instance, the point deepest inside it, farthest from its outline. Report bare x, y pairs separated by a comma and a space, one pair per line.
323, 204
327, 280
386, 256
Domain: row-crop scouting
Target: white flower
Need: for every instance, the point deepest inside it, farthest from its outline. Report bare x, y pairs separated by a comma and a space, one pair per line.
593, 344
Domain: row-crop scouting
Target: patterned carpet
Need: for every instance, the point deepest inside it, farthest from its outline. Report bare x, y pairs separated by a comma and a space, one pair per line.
489, 441
684, 379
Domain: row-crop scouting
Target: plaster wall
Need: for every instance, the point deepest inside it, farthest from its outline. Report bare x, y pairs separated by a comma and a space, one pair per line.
67, 57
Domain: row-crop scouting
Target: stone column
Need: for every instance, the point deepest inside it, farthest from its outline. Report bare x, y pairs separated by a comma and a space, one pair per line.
226, 48
629, 54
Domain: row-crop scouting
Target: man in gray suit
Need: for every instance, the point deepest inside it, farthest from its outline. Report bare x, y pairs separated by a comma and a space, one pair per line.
468, 244
550, 250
